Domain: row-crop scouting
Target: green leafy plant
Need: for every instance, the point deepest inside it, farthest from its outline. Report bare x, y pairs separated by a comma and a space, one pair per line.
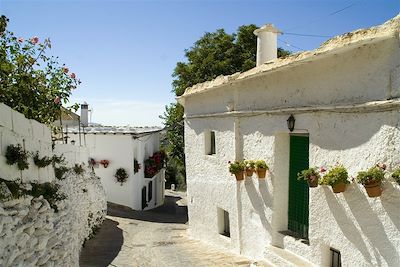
15, 189
250, 164
17, 155
336, 175
261, 164
396, 175
60, 171
49, 191
78, 169
41, 162
121, 175
136, 166
58, 160
373, 175
236, 167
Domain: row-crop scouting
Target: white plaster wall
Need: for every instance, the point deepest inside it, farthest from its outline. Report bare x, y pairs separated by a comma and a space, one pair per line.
32, 234
357, 140
209, 184
367, 73
121, 150
31, 135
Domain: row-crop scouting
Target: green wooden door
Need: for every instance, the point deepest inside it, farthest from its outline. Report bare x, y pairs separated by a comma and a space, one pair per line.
298, 190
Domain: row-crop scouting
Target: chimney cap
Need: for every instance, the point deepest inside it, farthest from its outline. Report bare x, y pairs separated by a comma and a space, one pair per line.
267, 28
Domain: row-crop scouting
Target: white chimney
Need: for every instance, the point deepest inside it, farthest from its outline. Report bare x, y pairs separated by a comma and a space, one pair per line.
267, 45
84, 114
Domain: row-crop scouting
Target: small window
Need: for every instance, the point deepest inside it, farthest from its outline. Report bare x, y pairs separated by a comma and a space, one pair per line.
223, 223
209, 142
336, 259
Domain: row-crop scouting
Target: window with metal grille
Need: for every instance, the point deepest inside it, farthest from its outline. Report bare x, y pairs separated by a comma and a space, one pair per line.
223, 222
209, 141
336, 259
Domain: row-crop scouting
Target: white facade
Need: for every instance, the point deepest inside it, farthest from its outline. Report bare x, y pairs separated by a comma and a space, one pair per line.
121, 146
345, 97
32, 233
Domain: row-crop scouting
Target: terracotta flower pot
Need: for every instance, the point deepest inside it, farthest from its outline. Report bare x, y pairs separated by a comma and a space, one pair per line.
339, 188
261, 173
373, 189
249, 172
239, 176
312, 181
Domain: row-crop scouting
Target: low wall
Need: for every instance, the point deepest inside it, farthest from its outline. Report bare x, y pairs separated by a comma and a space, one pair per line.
32, 233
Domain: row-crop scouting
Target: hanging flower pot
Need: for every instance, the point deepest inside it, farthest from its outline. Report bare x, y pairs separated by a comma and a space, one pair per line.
373, 189
312, 181
239, 176
339, 187
104, 162
261, 173
310, 175
372, 179
249, 172
237, 168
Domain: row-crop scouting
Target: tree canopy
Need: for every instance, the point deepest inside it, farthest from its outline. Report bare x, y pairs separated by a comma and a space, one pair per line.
31, 82
215, 53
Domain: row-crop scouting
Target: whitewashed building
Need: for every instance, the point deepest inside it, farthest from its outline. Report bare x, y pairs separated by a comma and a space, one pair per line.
344, 97
121, 146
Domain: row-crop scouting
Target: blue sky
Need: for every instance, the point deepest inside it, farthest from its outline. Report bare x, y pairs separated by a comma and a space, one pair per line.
125, 51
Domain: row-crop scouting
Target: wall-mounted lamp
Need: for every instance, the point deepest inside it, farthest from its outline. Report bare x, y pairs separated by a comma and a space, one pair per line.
290, 122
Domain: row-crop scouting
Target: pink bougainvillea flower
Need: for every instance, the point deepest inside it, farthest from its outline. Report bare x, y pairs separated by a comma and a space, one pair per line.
66, 70
20, 40
35, 40
72, 75
57, 100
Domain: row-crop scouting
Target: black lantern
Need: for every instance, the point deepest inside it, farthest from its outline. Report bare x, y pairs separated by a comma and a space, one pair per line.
290, 123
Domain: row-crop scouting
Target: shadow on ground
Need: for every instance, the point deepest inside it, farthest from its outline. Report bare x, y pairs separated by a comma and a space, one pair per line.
95, 253
170, 212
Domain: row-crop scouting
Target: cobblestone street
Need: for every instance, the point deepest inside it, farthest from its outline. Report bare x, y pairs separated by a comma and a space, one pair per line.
153, 238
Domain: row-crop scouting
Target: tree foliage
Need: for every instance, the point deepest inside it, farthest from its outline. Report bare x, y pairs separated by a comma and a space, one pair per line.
31, 82
215, 53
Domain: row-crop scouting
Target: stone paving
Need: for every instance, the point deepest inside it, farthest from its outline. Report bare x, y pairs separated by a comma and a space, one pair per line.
153, 238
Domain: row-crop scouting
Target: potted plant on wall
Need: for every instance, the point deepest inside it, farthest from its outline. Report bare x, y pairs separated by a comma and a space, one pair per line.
396, 175
136, 166
261, 168
121, 175
249, 167
237, 168
337, 178
372, 180
104, 162
310, 175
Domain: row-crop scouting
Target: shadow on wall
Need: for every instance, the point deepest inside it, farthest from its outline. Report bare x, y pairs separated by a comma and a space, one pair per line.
347, 226
370, 224
390, 202
170, 212
104, 247
258, 202
372, 227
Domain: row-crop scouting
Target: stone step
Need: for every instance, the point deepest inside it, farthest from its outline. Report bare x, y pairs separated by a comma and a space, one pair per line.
284, 258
